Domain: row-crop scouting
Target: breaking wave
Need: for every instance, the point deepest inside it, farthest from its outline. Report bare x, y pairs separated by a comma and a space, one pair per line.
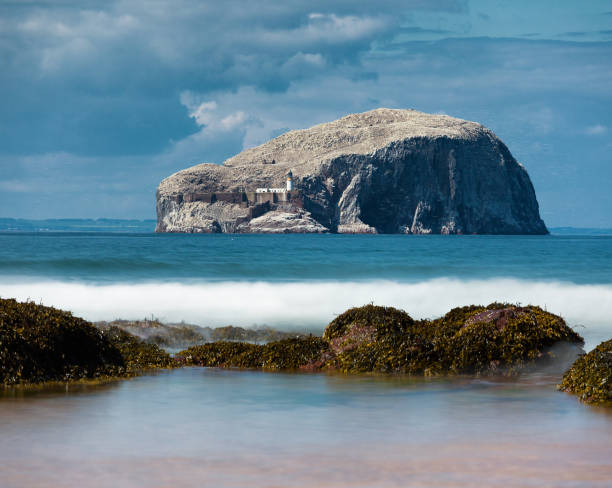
311, 305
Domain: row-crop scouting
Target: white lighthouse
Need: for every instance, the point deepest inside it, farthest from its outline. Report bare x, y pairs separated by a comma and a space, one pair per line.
289, 181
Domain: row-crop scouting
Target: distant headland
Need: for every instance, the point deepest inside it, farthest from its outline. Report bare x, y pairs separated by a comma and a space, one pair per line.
383, 171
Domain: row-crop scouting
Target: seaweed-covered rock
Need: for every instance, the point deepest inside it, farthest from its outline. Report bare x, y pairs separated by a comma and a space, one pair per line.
151, 331
182, 336
259, 334
502, 337
496, 339
137, 354
215, 354
374, 338
590, 377
39, 343
286, 354
499, 338
383, 322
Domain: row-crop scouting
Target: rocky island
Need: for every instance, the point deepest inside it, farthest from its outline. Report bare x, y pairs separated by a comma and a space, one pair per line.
382, 171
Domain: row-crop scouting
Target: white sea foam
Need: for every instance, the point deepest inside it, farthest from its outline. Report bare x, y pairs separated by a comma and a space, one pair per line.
313, 304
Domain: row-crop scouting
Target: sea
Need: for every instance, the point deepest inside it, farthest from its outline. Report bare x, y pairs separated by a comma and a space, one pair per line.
232, 428
301, 281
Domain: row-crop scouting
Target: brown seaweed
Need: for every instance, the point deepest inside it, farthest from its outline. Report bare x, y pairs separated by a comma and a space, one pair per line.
590, 377
42, 344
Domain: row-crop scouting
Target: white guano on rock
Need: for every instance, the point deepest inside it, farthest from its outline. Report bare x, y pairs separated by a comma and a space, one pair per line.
382, 171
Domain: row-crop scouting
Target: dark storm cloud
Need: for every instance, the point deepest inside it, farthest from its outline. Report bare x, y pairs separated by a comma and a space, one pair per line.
104, 78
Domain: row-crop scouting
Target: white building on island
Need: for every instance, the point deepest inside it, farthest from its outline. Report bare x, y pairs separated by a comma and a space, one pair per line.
288, 188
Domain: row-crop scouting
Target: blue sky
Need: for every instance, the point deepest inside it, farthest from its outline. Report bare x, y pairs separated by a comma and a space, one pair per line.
101, 100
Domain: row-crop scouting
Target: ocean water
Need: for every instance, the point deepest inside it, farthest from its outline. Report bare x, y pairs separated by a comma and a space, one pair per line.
195, 427
303, 281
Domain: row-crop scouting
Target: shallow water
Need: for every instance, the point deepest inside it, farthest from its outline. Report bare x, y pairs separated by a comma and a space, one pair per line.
209, 427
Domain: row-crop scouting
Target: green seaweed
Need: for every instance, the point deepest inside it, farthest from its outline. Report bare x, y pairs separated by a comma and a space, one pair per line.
286, 354
39, 343
590, 377
375, 339
215, 354
498, 338
43, 344
137, 354
387, 321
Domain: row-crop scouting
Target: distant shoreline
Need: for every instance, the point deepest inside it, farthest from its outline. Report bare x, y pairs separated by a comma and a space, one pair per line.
77, 225
9, 225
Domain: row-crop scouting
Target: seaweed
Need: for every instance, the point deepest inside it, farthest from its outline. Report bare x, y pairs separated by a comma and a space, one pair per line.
43, 344
257, 335
182, 335
387, 322
590, 377
152, 331
216, 354
137, 354
39, 343
499, 338
286, 354
493, 339
374, 339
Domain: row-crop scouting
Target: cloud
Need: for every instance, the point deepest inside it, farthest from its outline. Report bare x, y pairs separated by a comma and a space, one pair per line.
207, 115
98, 93
421, 30
202, 113
596, 130
107, 80
573, 34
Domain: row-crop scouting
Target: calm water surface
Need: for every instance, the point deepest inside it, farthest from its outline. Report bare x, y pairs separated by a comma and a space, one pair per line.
209, 427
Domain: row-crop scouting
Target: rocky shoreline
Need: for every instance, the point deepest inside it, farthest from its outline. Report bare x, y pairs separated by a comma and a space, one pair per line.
41, 344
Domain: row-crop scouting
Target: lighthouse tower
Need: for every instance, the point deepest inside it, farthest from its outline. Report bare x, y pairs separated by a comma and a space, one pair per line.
289, 181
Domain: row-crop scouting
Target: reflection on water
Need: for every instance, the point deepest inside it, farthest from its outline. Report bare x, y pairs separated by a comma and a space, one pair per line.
207, 427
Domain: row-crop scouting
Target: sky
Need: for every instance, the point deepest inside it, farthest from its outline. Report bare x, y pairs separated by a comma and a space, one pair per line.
99, 101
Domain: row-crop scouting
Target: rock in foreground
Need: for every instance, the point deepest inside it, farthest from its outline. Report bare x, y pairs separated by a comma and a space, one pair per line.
590, 377
383, 171
39, 344
497, 339
181, 336
286, 354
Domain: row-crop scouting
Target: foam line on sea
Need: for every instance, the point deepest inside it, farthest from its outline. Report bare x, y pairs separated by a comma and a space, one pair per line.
312, 304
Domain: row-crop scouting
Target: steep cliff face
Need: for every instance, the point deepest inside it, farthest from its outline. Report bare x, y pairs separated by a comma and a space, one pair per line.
385, 171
